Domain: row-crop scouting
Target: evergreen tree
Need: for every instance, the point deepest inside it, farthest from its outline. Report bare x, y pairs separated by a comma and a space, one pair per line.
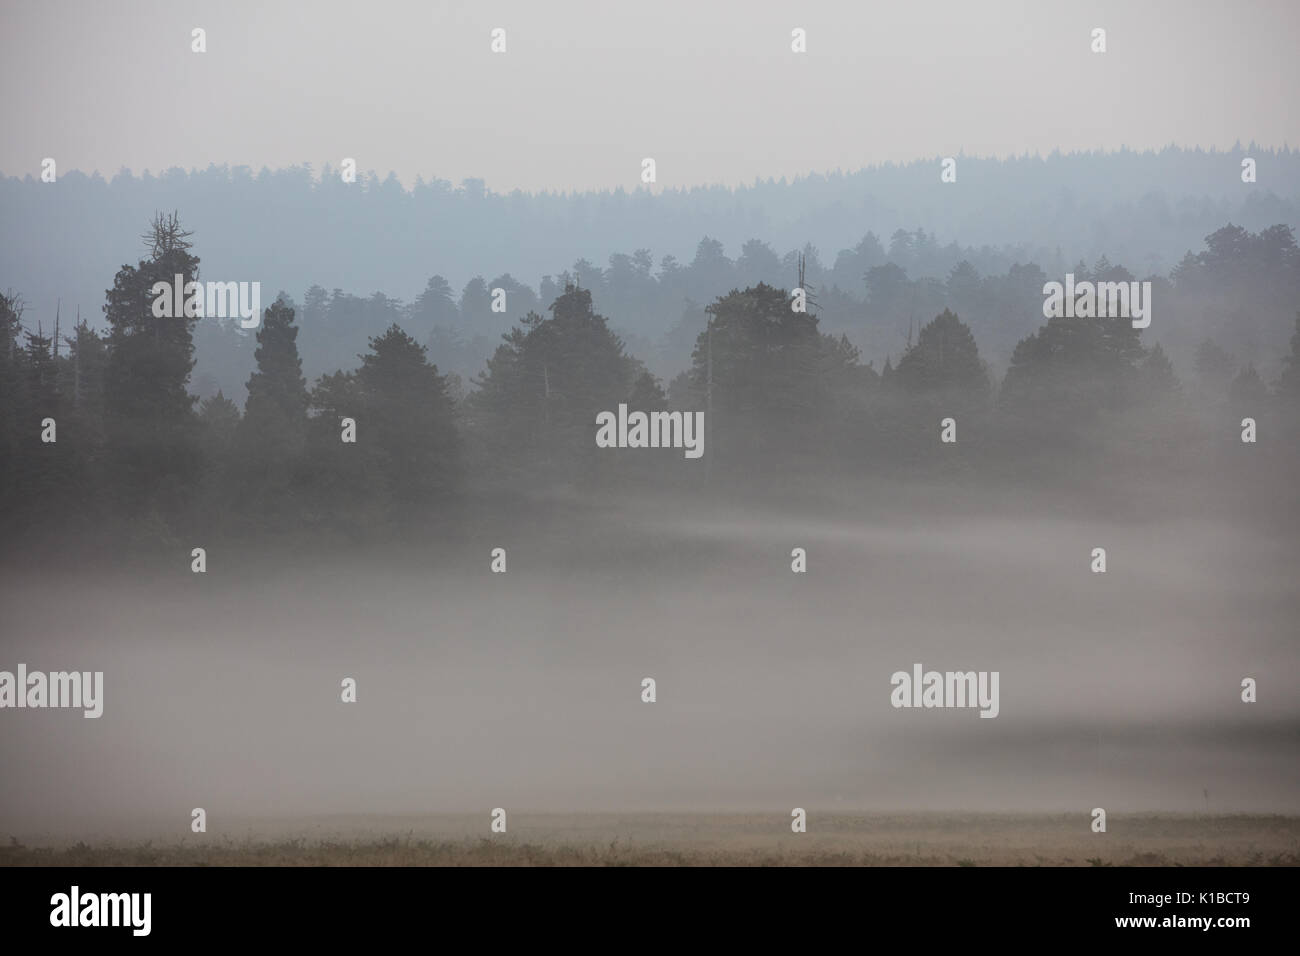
541, 391
769, 375
315, 306
339, 493
82, 377
1075, 368
411, 439
148, 413
944, 360
476, 303
434, 308
273, 432
41, 468
12, 381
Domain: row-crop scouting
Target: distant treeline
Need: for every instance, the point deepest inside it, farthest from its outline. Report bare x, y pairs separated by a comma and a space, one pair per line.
290, 228
1239, 291
102, 427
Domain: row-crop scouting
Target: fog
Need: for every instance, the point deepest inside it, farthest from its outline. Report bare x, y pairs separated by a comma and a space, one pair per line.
846, 261
523, 690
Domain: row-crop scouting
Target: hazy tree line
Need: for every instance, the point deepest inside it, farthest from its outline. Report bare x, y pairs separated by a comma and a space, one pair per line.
132, 443
1238, 291
1144, 209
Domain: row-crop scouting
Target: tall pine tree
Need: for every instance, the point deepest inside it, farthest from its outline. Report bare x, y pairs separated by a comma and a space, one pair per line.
272, 436
153, 452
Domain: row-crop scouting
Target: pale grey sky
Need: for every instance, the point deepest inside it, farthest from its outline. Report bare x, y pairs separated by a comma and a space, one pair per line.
711, 90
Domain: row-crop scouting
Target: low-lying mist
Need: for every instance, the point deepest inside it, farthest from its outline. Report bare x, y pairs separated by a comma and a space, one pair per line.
523, 690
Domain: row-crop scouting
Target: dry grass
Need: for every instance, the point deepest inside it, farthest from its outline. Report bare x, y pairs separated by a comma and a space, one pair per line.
731, 840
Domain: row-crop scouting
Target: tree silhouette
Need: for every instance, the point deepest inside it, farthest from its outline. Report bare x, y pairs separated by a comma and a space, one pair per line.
944, 360
148, 413
543, 387
272, 436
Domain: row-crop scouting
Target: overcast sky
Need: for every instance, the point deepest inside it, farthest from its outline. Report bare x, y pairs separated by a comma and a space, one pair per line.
585, 90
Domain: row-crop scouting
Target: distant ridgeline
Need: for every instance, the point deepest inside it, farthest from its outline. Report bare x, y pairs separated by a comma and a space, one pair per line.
1145, 210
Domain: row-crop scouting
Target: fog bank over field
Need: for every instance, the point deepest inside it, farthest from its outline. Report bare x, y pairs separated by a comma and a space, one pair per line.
522, 690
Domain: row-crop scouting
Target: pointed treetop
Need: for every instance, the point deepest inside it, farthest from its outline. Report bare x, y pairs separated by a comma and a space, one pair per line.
165, 235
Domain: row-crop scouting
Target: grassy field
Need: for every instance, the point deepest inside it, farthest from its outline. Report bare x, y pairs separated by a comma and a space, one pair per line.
833, 839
